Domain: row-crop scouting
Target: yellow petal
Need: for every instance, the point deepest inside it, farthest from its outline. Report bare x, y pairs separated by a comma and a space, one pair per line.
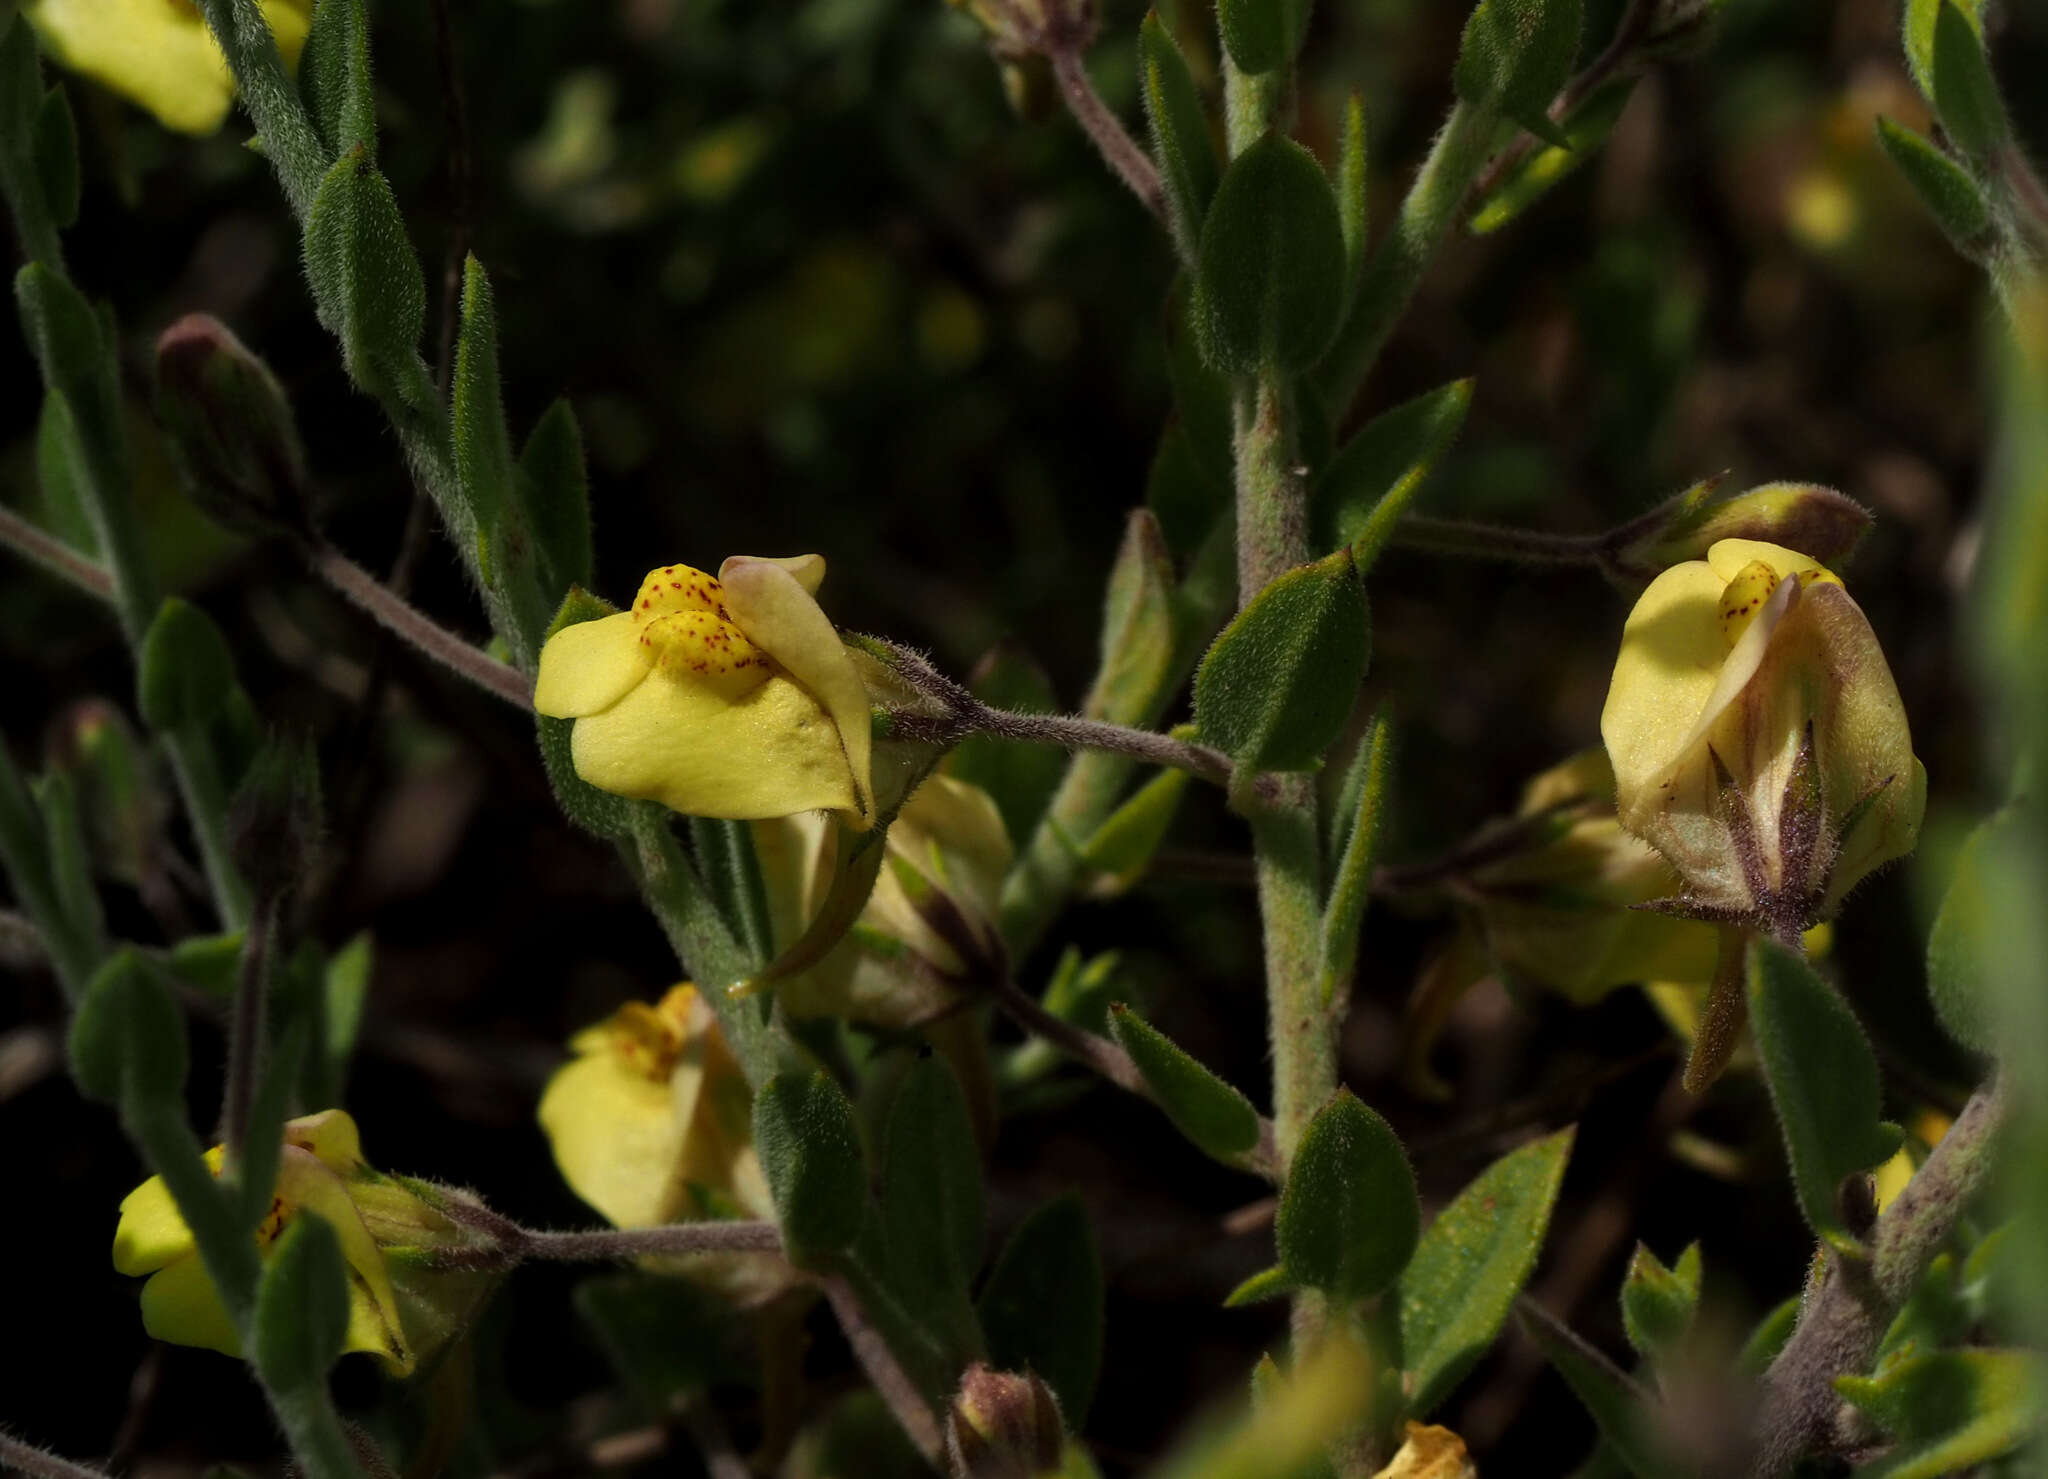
1728, 557
1671, 654
775, 608
615, 1138
330, 1136
151, 1234
796, 854
180, 1305
1586, 776
768, 753
1430, 1453
588, 667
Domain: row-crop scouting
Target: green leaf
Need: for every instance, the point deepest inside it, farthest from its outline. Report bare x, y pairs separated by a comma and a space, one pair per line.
932, 1212
128, 1037
301, 1316
1262, 35
1823, 1079
1965, 92
366, 280
334, 78
1657, 1303
184, 672
1267, 1283
1918, 36
1203, 402
1182, 495
1944, 186
209, 964
1964, 941
1950, 1410
557, 492
1020, 779
1122, 847
1348, 1215
1472, 1262
1275, 689
1344, 911
1353, 206
810, 1151
1269, 279
54, 137
668, 1338
1139, 634
1369, 484
1619, 1407
71, 874
1769, 1338
1214, 1116
1181, 137
344, 992
1042, 1305
1585, 129
1515, 55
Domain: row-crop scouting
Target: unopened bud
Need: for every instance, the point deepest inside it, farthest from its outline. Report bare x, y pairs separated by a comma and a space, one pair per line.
1003, 1425
1020, 28
1818, 522
274, 821
122, 805
230, 429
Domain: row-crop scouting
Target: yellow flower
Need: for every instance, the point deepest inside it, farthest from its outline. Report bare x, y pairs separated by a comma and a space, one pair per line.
1757, 737
1430, 1452
929, 925
729, 697
158, 53
651, 1120
321, 1171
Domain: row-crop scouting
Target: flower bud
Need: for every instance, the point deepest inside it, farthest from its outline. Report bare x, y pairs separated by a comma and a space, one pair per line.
1003, 1425
124, 808
402, 1307
1822, 523
229, 429
1021, 28
928, 928
274, 820
1757, 737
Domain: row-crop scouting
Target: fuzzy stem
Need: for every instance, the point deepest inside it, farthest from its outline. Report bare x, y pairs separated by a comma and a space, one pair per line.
891, 1382
392, 612
1431, 207
245, 1036
40, 1463
1843, 1320
54, 555
1498, 542
1119, 150
205, 794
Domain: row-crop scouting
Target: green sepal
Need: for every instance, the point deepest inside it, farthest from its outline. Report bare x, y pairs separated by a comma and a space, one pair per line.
1122, 847
1041, 1307
1349, 1216
334, 78
1620, 1409
1658, 1303
1262, 35
127, 1041
1369, 484
1181, 138
810, 1150
556, 486
933, 1217
1270, 278
1514, 57
1276, 687
1471, 1264
54, 139
1267, 1283
185, 671
1965, 92
1214, 1116
1944, 187
1950, 1410
1584, 129
1823, 1079
1364, 799
365, 276
301, 1315
1963, 945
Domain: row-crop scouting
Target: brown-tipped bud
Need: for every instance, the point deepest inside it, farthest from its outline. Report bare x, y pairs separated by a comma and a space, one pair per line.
1817, 522
274, 821
1020, 28
230, 429
1003, 1425
123, 806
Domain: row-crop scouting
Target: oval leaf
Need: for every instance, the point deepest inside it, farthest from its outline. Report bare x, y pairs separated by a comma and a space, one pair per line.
1262, 35
184, 672
1275, 689
301, 1316
1943, 186
810, 1151
932, 1210
1370, 483
1472, 1262
1269, 278
1965, 92
1042, 1306
1181, 139
365, 277
1214, 1116
1348, 1215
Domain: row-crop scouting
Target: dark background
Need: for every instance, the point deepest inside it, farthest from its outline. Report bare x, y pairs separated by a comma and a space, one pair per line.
809, 284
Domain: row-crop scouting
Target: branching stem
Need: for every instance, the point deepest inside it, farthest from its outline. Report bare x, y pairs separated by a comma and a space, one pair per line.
398, 616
